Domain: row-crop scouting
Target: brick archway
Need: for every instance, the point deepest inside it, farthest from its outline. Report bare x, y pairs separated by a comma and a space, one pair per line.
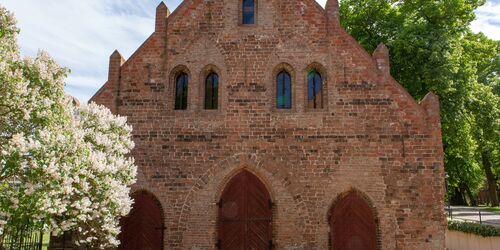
352, 223
245, 214
220, 173
143, 228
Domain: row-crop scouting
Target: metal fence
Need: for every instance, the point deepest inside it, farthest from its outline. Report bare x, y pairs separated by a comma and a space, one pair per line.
474, 214
21, 238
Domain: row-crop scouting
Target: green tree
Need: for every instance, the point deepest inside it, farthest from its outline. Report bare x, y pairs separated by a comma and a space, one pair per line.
485, 109
432, 49
484, 105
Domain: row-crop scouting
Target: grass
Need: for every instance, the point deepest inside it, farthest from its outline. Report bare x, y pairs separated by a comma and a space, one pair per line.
491, 209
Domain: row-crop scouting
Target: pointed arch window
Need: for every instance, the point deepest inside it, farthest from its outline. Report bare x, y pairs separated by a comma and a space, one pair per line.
248, 12
212, 91
283, 90
181, 91
314, 90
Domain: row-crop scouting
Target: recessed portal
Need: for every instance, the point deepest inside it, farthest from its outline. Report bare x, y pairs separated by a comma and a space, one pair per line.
353, 224
143, 227
245, 214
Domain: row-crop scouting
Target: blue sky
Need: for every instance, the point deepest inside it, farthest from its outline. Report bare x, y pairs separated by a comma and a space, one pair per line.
81, 34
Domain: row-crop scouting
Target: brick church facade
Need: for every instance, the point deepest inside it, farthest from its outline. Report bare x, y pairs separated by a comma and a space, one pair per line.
262, 124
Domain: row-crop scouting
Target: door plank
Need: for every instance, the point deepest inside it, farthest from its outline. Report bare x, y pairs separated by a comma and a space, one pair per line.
245, 215
353, 224
143, 227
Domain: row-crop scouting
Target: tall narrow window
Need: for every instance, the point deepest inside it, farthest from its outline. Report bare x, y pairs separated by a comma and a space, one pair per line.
248, 12
181, 91
212, 91
283, 91
314, 90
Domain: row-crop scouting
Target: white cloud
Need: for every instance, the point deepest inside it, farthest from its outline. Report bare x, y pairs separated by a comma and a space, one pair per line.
81, 35
321, 2
488, 20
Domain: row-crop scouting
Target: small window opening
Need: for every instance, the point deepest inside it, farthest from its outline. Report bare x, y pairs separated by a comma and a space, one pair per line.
212, 91
181, 91
283, 91
248, 12
314, 90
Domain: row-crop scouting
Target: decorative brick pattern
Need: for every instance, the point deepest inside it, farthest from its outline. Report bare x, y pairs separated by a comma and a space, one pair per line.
371, 136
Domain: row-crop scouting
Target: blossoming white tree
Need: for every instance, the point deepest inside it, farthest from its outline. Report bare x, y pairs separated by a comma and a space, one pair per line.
62, 167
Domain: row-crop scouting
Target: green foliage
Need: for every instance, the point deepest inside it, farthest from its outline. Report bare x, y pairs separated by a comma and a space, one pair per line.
493, 209
474, 228
433, 49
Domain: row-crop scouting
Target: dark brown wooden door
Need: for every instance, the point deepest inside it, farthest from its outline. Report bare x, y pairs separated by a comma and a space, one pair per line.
353, 224
143, 227
245, 214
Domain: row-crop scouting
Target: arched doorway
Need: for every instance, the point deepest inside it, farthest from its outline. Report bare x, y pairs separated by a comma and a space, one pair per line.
352, 224
245, 214
143, 227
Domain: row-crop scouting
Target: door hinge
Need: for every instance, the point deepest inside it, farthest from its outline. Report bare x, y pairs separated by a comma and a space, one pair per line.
219, 203
270, 245
218, 244
271, 204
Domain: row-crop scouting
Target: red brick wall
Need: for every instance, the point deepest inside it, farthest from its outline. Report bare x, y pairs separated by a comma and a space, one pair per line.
371, 136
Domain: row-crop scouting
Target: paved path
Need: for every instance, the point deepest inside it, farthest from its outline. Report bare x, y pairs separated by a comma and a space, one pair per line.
472, 214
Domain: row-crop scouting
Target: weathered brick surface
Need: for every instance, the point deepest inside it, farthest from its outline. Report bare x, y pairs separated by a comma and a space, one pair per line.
371, 135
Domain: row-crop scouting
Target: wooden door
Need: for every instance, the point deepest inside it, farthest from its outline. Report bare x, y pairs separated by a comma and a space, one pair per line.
353, 224
245, 214
143, 227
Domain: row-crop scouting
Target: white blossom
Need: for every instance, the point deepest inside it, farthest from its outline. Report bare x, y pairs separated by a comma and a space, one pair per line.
69, 163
